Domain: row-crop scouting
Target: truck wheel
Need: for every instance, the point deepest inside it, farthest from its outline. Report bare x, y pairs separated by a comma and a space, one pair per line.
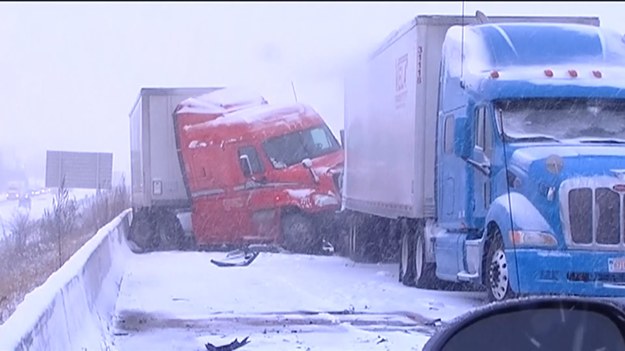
169, 234
299, 234
497, 278
188, 243
142, 234
369, 240
424, 272
407, 259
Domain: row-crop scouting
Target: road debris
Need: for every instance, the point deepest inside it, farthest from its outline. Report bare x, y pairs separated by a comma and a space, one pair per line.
229, 347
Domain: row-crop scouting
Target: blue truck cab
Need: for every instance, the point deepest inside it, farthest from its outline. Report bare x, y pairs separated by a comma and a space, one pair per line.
530, 160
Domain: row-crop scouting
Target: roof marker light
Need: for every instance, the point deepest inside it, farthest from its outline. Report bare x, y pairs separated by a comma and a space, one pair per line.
494, 74
573, 73
549, 73
597, 74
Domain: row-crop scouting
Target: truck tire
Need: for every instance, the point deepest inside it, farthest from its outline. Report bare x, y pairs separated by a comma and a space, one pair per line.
188, 243
369, 242
424, 272
142, 233
299, 234
497, 278
169, 234
407, 258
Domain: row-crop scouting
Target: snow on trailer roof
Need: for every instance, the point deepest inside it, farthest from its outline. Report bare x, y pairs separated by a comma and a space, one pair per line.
287, 113
221, 101
188, 91
266, 119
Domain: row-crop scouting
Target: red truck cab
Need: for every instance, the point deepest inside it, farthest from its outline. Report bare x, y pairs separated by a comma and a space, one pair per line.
261, 174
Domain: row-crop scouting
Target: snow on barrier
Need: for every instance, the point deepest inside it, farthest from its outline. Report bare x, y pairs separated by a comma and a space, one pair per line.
73, 309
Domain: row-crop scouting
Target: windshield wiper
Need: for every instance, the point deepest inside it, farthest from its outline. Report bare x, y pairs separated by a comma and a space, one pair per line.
533, 138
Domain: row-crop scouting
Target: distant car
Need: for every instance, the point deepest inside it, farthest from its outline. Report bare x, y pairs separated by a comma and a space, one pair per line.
24, 201
12, 195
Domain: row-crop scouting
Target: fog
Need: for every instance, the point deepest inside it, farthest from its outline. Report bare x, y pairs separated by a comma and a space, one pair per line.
71, 72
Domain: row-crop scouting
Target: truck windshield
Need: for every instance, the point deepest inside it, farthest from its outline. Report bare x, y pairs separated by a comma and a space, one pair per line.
292, 148
562, 119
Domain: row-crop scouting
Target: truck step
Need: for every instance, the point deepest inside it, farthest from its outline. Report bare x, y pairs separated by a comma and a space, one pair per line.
467, 277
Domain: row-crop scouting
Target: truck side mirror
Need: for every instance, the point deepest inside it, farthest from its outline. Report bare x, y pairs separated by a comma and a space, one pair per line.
307, 163
462, 140
342, 134
246, 165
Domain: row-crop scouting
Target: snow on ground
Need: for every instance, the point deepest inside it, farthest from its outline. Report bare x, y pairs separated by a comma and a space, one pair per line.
180, 301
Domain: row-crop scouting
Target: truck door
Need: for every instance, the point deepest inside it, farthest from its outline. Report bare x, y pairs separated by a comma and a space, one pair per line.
451, 173
480, 186
452, 197
447, 168
258, 219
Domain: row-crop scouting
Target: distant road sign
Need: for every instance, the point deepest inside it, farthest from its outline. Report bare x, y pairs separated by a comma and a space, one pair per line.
82, 170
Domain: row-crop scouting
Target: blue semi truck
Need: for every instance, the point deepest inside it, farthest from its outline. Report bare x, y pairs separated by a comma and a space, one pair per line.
491, 150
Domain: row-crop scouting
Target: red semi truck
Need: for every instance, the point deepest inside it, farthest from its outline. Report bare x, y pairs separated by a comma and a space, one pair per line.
229, 169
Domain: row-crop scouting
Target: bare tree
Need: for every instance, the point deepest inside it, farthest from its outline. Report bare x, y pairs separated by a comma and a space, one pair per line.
64, 217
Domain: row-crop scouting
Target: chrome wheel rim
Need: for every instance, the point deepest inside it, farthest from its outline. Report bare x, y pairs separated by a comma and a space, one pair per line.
498, 275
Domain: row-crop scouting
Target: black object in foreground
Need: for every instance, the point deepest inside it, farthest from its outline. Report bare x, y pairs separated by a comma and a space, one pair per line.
536, 323
248, 258
230, 347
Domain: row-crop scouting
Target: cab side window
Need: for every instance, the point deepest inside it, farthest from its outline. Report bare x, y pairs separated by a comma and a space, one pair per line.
479, 128
483, 131
257, 166
448, 137
488, 133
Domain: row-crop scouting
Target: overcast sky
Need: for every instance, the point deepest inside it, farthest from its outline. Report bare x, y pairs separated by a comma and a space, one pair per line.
71, 72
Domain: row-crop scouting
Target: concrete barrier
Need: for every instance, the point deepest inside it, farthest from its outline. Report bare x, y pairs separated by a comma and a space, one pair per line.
73, 309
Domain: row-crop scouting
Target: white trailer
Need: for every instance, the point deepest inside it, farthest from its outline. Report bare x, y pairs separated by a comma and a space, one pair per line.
158, 191
155, 169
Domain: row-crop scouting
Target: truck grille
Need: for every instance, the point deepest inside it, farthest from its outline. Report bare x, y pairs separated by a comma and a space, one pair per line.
595, 216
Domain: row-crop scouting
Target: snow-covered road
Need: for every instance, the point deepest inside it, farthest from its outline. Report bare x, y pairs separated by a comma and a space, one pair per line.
180, 301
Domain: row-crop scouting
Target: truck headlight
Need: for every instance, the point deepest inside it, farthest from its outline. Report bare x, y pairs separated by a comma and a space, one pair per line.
532, 238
